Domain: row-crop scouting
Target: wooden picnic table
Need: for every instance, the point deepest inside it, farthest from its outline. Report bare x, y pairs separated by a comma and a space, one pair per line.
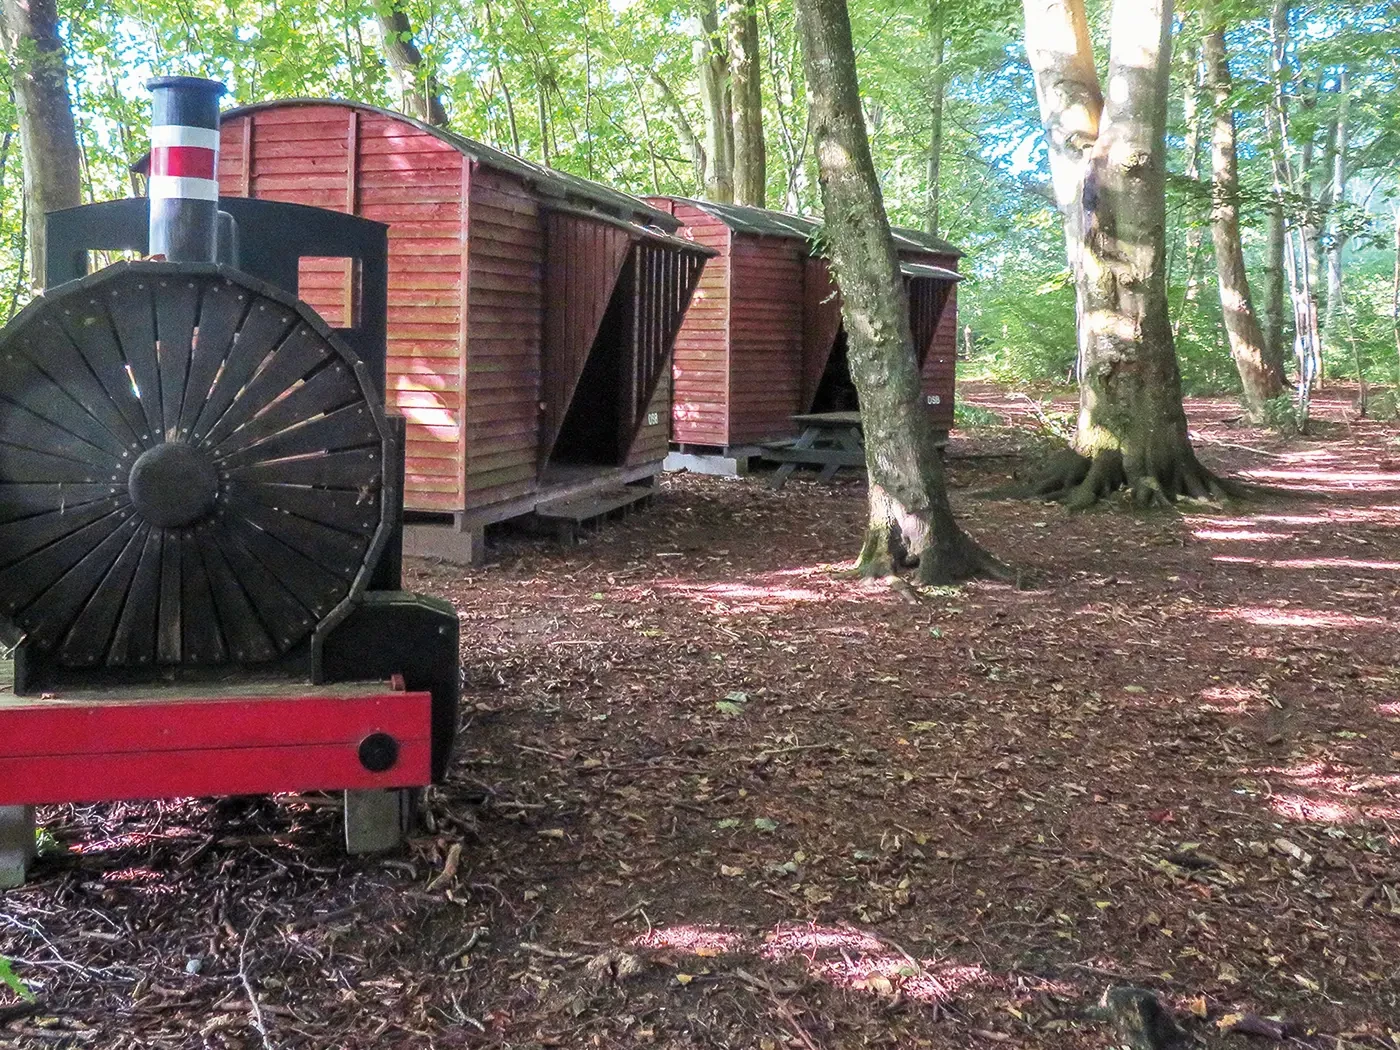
830, 440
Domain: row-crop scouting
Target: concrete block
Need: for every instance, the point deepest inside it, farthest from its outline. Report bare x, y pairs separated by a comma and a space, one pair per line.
16, 845
457, 546
721, 464
377, 820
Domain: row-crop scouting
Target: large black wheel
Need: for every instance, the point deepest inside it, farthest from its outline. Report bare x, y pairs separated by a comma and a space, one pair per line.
191, 468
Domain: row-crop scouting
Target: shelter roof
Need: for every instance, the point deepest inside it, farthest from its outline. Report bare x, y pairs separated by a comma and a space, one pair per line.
766, 221
548, 181
938, 273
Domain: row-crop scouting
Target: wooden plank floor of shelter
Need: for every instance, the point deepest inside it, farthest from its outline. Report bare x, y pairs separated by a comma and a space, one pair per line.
569, 515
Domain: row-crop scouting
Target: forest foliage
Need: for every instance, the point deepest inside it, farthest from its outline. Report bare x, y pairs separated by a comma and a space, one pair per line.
610, 89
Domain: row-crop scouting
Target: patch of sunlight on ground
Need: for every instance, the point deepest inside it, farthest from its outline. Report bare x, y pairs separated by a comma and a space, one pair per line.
777, 590
842, 956
1221, 534
1347, 479
1333, 563
1232, 699
1263, 616
1308, 563
1333, 796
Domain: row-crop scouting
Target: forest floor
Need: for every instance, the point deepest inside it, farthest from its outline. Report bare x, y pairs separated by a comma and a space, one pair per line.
712, 792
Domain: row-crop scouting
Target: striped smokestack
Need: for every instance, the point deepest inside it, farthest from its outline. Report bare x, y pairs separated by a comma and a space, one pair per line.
184, 172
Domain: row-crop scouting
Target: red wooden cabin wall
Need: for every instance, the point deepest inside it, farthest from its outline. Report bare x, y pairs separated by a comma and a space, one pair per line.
665, 280
765, 335
505, 252
333, 156
940, 366
756, 339
700, 368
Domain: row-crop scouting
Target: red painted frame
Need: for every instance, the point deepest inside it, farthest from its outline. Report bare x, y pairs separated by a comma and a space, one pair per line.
132, 747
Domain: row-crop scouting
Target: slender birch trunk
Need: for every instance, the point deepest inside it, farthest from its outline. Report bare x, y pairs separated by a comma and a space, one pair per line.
1395, 299
1290, 182
1340, 176
684, 130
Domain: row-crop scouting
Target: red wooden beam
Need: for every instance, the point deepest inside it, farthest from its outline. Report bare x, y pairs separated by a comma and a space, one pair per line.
124, 746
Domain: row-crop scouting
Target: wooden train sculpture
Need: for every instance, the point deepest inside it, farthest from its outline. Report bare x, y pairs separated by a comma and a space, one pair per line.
201, 514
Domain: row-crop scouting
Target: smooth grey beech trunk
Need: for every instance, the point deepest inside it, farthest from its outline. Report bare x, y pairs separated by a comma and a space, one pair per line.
1108, 163
1275, 301
712, 64
909, 512
47, 136
938, 46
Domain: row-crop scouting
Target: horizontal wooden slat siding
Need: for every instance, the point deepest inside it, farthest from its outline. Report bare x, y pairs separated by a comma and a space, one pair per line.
334, 156
940, 365
652, 440
700, 362
504, 338
584, 258
765, 336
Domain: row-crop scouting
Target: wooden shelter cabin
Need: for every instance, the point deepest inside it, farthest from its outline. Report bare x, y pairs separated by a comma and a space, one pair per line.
763, 339
531, 313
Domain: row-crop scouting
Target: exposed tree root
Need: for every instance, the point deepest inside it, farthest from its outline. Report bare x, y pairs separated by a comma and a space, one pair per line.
944, 559
1080, 481
961, 560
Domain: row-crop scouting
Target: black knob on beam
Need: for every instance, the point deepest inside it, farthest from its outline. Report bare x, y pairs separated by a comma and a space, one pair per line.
379, 752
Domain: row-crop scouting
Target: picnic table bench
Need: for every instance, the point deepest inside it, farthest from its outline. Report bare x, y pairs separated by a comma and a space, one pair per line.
830, 440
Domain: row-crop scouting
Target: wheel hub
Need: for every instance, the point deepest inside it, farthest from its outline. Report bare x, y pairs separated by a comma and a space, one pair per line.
173, 485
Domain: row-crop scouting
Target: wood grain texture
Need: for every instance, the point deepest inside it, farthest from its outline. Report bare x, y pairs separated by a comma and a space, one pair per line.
334, 156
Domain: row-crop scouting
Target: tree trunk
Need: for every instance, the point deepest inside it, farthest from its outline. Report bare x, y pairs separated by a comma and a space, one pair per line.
1108, 162
542, 110
746, 73
713, 64
1292, 184
47, 135
909, 511
1340, 176
417, 85
1259, 382
1195, 231
1274, 298
938, 38
1277, 233
1395, 299
684, 130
